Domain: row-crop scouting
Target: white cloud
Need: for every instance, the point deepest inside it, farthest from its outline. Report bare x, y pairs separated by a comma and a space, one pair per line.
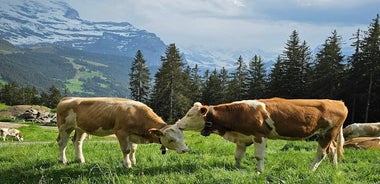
235, 23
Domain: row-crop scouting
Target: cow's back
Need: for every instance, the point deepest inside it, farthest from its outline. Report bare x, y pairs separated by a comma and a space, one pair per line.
362, 130
305, 117
97, 116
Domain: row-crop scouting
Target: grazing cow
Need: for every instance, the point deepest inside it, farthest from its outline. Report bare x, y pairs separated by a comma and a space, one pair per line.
4, 132
248, 121
362, 130
363, 143
132, 122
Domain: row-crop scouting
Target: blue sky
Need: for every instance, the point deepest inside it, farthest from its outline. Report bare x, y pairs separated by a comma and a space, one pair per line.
236, 24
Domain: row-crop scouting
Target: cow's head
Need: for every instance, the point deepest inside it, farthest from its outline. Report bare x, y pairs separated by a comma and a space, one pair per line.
194, 118
20, 137
171, 137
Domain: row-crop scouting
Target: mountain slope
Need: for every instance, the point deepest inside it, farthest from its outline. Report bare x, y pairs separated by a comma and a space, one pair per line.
27, 23
83, 73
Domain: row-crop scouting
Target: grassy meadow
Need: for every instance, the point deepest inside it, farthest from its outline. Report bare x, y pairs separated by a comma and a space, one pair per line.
210, 160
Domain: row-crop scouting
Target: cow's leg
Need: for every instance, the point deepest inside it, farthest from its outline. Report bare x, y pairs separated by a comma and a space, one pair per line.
321, 154
239, 153
333, 155
132, 157
78, 144
125, 146
260, 149
62, 139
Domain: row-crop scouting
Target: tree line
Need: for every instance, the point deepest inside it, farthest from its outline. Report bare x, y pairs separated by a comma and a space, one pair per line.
13, 94
296, 73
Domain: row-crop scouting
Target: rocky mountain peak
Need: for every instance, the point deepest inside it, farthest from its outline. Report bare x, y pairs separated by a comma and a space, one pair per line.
30, 22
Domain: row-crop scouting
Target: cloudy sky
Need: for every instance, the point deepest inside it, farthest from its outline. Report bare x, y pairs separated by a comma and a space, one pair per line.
236, 24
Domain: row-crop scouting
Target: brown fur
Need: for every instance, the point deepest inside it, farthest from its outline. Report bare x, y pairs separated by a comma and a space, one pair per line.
110, 114
362, 130
363, 143
132, 122
293, 119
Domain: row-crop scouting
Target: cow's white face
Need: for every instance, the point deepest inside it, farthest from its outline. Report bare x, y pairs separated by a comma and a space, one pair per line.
194, 118
172, 138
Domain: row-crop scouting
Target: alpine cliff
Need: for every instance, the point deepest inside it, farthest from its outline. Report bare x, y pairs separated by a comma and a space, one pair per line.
34, 22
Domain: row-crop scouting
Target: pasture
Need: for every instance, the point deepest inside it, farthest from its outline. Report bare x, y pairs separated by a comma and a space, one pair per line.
210, 160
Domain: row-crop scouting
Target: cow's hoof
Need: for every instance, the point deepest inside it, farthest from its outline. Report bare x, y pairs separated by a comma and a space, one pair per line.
61, 162
258, 171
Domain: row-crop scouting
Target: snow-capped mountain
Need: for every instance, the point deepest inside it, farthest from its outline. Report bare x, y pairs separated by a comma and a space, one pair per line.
207, 58
31, 22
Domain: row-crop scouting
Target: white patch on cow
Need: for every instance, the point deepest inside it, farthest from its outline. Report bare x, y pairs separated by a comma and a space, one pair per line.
70, 100
322, 131
238, 138
70, 121
197, 104
133, 103
273, 133
260, 153
253, 103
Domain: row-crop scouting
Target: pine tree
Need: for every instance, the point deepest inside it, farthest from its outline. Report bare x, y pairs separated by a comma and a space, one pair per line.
223, 78
257, 78
296, 60
139, 79
212, 92
9, 94
329, 69
52, 98
276, 86
350, 84
195, 84
169, 98
237, 86
366, 74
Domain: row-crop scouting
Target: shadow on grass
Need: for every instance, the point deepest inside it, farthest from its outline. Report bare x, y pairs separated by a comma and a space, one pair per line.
48, 171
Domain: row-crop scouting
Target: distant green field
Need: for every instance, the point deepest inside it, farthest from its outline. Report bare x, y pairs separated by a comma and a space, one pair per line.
82, 72
210, 160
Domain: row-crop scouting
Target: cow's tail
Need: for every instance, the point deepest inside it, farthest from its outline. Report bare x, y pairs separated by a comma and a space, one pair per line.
340, 143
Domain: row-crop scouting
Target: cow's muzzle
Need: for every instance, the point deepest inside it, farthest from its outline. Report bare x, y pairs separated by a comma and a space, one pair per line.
207, 130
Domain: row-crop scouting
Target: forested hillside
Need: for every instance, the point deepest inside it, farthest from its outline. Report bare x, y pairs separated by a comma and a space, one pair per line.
79, 72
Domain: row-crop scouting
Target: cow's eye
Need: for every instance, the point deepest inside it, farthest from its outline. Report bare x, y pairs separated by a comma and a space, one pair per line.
171, 140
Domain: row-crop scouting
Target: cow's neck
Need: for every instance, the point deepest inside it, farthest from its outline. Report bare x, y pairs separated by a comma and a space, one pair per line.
213, 124
144, 133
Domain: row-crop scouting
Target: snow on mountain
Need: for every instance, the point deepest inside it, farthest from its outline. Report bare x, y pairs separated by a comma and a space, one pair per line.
217, 58
30, 22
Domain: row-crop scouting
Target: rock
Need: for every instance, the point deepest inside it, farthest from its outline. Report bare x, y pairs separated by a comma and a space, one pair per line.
37, 114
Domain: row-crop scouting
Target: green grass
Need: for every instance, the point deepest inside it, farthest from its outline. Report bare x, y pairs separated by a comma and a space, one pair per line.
210, 160
3, 106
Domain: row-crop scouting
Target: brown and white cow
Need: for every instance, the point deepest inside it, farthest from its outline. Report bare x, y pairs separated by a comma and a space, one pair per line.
362, 130
248, 121
132, 122
363, 143
4, 132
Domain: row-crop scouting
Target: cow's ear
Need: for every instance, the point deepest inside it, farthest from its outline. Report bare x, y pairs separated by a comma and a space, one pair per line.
203, 111
156, 132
